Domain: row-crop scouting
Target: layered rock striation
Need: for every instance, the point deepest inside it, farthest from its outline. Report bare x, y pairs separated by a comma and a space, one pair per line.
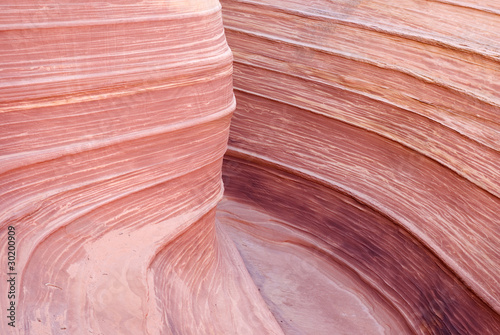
361, 167
366, 135
114, 122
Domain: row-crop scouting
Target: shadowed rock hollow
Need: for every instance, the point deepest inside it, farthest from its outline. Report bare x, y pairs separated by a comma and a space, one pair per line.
360, 166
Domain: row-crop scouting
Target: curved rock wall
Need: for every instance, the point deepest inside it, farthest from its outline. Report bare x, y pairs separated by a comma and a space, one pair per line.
361, 177
114, 122
367, 135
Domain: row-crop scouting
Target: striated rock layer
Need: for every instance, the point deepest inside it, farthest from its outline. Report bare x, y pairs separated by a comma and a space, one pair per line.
365, 150
361, 177
114, 122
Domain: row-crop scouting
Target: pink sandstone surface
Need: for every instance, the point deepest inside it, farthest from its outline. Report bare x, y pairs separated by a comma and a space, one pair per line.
366, 135
355, 190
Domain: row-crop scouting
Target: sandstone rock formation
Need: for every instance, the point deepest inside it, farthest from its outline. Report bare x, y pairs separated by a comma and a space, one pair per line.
361, 178
365, 147
114, 121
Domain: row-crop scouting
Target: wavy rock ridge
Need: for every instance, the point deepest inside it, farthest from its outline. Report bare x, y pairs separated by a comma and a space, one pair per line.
114, 122
361, 189
366, 143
